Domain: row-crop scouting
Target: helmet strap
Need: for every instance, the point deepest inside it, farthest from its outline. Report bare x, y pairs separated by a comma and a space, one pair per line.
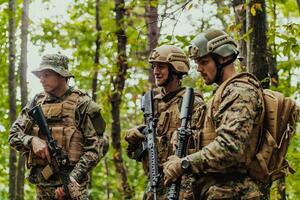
170, 76
220, 67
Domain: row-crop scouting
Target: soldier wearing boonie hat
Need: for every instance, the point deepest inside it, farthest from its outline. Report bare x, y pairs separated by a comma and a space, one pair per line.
76, 124
56, 62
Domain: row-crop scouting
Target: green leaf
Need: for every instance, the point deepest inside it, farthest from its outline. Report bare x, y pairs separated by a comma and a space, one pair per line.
253, 10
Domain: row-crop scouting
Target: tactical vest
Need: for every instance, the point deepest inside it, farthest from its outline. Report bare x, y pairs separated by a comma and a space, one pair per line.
61, 120
168, 121
209, 129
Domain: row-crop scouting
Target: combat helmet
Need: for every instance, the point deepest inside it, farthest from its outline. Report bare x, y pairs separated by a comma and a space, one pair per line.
56, 62
216, 43
172, 55
212, 41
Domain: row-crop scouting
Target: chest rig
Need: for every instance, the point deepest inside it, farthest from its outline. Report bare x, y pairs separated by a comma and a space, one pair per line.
210, 125
168, 114
61, 121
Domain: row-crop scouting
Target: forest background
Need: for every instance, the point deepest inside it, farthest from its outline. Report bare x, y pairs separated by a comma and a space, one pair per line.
108, 43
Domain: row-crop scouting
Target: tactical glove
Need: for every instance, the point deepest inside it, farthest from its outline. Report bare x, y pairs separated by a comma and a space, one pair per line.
135, 135
172, 170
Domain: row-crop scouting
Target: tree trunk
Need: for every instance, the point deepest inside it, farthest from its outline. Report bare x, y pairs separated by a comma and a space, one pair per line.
257, 44
12, 93
298, 3
153, 31
118, 83
97, 52
95, 68
240, 19
272, 58
24, 94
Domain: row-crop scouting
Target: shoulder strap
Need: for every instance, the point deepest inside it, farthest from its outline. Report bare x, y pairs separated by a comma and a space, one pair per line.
40, 98
178, 98
73, 98
79, 92
244, 77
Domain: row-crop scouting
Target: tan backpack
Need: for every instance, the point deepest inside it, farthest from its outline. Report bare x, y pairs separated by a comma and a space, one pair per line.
281, 115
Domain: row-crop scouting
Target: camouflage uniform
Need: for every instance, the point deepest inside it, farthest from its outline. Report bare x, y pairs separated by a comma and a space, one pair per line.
231, 127
221, 161
84, 144
167, 111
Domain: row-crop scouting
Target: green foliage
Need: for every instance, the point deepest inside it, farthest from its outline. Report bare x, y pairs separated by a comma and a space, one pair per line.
78, 34
293, 180
4, 123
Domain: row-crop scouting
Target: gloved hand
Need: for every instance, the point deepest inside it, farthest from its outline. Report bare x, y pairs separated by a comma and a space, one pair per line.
172, 170
134, 135
40, 148
75, 189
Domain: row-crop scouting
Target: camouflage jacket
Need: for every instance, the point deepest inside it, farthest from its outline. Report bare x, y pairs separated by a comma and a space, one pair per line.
236, 118
167, 111
90, 122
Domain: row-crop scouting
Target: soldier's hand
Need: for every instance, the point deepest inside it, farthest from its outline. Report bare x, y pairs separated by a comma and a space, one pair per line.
59, 193
172, 170
40, 148
134, 135
75, 190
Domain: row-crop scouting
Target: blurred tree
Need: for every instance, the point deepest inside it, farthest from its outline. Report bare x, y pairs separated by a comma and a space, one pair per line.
151, 16
76, 35
24, 93
240, 19
97, 51
257, 44
12, 94
118, 83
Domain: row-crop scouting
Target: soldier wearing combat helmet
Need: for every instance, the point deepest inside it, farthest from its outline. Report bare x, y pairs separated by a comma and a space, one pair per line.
169, 64
231, 128
76, 124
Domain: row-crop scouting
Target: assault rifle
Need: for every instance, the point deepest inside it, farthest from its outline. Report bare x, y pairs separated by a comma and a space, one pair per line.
150, 133
59, 160
185, 117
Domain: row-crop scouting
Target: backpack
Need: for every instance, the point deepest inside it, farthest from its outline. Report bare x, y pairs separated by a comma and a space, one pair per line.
281, 113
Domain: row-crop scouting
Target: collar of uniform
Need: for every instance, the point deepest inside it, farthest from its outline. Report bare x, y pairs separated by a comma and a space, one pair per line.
167, 97
215, 88
54, 99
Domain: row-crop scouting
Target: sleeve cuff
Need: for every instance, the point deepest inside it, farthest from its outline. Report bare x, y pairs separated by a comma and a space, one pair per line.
196, 161
27, 141
75, 175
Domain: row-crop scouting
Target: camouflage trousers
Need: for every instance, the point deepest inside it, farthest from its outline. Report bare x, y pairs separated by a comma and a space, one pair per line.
48, 193
186, 192
184, 195
245, 188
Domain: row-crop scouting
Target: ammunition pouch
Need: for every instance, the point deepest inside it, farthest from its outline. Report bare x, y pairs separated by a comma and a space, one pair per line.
61, 120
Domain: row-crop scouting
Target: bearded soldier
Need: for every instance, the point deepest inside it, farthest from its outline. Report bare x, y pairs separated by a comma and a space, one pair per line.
231, 128
76, 124
169, 64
